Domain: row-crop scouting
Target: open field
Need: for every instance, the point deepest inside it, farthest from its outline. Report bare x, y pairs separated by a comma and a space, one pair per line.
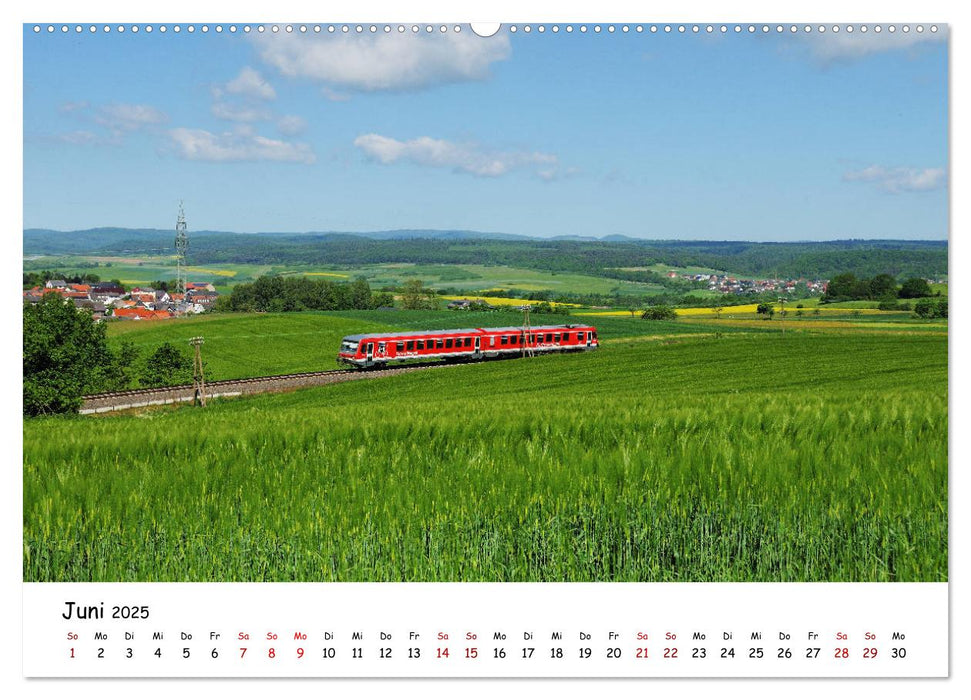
242, 345
672, 454
135, 271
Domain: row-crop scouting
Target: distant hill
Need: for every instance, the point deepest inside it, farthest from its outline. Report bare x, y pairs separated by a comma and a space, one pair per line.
41, 241
607, 256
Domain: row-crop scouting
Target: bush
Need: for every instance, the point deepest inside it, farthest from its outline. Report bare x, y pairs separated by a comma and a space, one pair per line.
167, 366
925, 308
660, 313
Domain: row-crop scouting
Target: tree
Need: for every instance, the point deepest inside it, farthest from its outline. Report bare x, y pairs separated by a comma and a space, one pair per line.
124, 371
66, 356
765, 309
417, 296
718, 311
167, 366
914, 288
843, 286
883, 286
382, 299
942, 308
660, 312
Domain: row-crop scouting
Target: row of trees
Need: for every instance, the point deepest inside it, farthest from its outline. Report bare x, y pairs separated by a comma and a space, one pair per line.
302, 293
33, 279
846, 287
66, 356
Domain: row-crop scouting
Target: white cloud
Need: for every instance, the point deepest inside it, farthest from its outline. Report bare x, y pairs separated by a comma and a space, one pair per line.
384, 61
240, 112
128, 117
459, 157
895, 180
80, 138
840, 46
241, 144
291, 125
249, 83
74, 106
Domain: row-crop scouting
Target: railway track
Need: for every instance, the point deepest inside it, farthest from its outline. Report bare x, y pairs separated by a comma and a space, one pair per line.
137, 398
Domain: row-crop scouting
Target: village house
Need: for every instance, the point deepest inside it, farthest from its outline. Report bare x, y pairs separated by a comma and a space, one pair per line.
109, 299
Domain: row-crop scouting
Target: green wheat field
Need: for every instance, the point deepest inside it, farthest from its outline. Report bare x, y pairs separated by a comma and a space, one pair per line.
671, 454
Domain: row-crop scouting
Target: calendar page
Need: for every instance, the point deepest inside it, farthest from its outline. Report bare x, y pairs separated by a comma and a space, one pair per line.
429, 349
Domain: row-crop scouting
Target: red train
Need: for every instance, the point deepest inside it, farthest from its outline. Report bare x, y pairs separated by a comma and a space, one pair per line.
378, 349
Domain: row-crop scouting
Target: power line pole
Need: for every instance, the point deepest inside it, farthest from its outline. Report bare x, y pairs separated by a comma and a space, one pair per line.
527, 332
782, 313
181, 248
198, 380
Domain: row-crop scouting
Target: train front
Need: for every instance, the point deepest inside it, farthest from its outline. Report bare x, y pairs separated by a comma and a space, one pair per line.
349, 353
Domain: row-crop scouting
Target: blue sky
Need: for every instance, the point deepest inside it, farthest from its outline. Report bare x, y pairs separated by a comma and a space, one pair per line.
736, 136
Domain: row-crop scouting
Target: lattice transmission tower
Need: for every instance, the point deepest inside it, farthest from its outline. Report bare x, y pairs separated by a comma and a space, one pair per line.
181, 248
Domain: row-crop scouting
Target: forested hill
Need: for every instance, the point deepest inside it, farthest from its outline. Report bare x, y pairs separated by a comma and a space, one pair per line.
821, 260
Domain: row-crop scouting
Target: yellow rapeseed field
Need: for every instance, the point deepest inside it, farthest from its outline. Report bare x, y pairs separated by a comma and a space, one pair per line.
735, 310
209, 271
502, 301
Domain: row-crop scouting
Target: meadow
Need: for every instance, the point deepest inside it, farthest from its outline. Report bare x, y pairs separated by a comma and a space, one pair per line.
671, 454
241, 345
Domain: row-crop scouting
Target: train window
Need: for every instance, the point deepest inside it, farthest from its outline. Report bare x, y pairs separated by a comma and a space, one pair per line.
380, 348
411, 345
420, 344
400, 346
448, 343
556, 338
468, 342
514, 340
439, 344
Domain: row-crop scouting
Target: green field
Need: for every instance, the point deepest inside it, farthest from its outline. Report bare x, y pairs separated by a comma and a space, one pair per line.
258, 344
145, 270
674, 453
